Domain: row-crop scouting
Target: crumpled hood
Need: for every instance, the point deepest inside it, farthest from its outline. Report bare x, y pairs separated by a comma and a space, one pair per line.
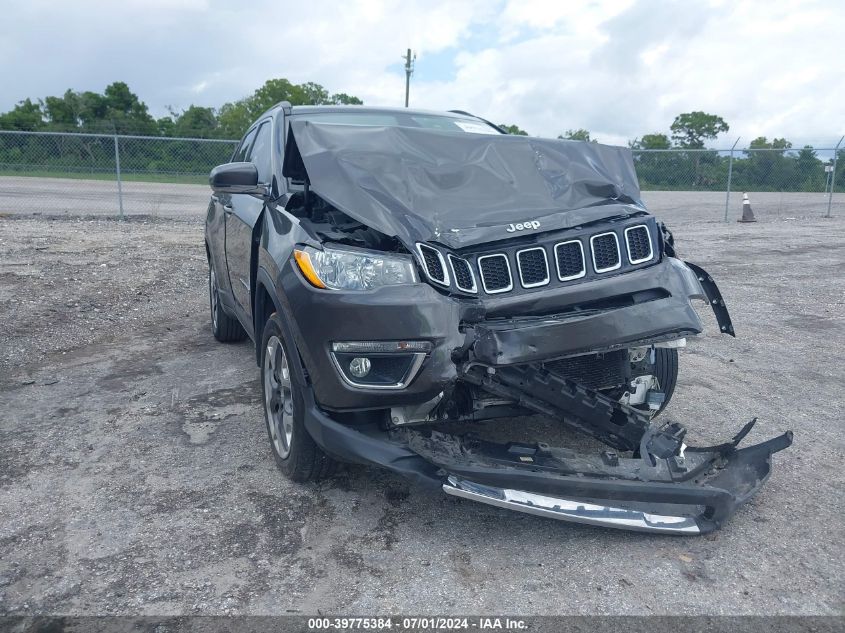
460, 189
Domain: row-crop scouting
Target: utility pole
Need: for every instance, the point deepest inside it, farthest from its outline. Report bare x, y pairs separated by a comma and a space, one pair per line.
409, 68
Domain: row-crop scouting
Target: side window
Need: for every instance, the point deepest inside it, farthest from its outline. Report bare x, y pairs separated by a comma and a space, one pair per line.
241, 154
261, 153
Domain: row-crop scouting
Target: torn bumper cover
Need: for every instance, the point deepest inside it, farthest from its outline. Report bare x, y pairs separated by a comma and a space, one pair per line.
688, 495
691, 495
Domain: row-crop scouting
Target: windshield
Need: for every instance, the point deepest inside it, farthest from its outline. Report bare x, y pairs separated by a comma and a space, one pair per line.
401, 119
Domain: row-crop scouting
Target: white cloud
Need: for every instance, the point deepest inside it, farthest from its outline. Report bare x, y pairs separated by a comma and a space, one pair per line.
618, 68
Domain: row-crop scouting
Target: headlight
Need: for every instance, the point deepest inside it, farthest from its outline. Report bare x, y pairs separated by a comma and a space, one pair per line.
353, 269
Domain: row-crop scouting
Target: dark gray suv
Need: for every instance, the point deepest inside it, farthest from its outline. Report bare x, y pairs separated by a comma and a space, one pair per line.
407, 275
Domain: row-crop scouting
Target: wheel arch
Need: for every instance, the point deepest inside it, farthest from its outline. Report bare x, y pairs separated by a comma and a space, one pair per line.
265, 303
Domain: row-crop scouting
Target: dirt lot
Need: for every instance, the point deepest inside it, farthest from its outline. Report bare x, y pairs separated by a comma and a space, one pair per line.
136, 476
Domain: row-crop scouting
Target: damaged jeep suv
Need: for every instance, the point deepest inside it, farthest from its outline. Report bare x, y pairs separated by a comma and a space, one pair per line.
408, 275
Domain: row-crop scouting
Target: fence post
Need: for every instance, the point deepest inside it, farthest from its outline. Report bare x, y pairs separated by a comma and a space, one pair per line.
833, 176
730, 174
117, 167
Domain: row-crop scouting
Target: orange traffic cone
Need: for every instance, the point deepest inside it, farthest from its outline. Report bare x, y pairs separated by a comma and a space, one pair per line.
747, 213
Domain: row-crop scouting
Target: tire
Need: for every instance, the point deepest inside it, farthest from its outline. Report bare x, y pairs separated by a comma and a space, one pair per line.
666, 372
226, 329
295, 452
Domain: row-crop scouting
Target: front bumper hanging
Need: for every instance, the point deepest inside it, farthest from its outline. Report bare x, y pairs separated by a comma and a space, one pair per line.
691, 495
685, 495
665, 486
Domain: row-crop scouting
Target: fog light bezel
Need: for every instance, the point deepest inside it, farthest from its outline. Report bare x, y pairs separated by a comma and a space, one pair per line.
417, 349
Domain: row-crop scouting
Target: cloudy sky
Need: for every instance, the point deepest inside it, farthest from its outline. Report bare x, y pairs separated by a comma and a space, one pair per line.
617, 68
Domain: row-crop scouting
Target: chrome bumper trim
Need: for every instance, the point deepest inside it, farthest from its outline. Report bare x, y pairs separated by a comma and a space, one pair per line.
568, 510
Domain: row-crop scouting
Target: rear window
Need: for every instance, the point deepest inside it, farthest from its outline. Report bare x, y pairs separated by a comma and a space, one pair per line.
391, 119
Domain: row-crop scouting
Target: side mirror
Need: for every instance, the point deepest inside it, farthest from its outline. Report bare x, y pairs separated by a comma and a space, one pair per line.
236, 178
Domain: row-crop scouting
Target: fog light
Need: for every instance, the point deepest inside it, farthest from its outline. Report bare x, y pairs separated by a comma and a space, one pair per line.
359, 367
379, 364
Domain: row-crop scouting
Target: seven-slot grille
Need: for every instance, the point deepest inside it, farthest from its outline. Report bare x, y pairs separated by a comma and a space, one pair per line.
605, 247
569, 258
533, 267
495, 273
639, 244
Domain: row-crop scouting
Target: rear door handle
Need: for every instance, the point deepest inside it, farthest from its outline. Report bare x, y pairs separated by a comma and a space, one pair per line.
227, 208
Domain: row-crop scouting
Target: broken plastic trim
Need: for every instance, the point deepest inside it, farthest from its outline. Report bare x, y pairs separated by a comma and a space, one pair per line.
569, 510
714, 298
695, 494
707, 486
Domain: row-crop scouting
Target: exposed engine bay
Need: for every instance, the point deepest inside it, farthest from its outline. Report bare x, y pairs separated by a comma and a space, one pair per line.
330, 225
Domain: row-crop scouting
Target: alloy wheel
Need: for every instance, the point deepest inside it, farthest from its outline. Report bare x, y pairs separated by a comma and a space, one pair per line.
278, 400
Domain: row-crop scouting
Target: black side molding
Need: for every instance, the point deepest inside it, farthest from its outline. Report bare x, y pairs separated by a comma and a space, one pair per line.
714, 296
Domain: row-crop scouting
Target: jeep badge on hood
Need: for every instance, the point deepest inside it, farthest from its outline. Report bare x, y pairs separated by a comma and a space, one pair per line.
521, 226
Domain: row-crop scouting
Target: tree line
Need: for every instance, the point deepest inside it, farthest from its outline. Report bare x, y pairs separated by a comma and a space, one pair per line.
118, 110
764, 166
770, 165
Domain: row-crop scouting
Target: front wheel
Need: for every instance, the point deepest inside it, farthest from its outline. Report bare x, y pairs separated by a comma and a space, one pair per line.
295, 452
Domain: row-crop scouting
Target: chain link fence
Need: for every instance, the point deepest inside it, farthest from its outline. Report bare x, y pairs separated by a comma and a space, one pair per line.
82, 174
787, 180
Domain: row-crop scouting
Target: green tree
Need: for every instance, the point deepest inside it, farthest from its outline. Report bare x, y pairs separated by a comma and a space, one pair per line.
166, 126
312, 94
92, 111
659, 170
691, 129
236, 117
767, 167
126, 112
513, 129
63, 112
576, 135
810, 169
195, 122
651, 141
26, 116
341, 98
761, 142
117, 109
839, 176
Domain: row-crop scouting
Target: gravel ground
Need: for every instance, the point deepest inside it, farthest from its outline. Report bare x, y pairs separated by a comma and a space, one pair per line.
136, 476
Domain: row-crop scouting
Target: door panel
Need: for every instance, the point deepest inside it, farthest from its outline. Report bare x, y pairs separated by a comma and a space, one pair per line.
241, 215
242, 212
215, 231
